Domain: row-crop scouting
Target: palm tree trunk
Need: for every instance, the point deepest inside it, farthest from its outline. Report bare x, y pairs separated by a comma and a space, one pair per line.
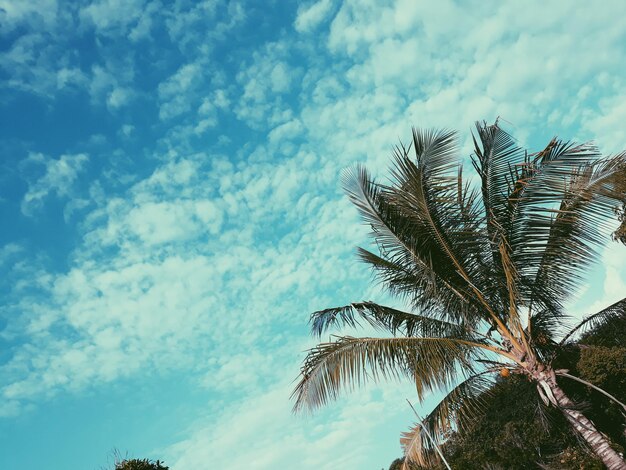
598, 442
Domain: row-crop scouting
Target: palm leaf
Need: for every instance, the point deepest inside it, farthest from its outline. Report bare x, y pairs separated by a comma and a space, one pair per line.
385, 318
432, 363
616, 310
587, 205
427, 196
458, 407
493, 158
404, 242
422, 286
518, 192
544, 325
560, 243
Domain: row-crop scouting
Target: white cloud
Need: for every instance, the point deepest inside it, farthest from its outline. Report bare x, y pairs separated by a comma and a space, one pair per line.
43, 60
73, 206
280, 78
607, 123
110, 83
58, 178
122, 318
264, 83
142, 29
175, 93
127, 130
70, 76
260, 432
172, 272
521, 73
156, 223
35, 12
106, 15
181, 21
8, 251
195, 27
30, 64
281, 136
607, 283
310, 17
118, 97
614, 261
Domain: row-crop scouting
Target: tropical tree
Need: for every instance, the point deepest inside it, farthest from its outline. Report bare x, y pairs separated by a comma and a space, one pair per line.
484, 271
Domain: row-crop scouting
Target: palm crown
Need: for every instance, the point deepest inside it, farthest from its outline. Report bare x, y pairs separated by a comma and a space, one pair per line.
485, 273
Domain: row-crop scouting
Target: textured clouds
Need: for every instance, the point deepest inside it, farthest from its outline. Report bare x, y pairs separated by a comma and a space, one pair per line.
201, 249
58, 179
185, 262
310, 16
260, 433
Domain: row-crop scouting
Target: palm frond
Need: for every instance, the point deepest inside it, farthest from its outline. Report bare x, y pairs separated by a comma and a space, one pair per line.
616, 310
422, 286
456, 409
385, 318
519, 192
619, 235
409, 262
557, 244
413, 443
495, 156
576, 229
562, 373
543, 327
426, 193
509, 270
449, 227
432, 363
436, 149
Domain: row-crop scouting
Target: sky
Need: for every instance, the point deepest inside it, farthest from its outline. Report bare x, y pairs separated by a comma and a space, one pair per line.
171, 209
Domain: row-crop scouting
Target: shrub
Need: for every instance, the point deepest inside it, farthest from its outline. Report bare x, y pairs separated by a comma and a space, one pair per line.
138, 464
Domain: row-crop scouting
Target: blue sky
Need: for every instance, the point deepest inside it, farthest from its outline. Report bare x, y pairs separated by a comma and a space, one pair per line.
171, 208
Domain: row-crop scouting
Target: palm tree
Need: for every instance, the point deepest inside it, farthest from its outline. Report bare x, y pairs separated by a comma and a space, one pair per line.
485, 273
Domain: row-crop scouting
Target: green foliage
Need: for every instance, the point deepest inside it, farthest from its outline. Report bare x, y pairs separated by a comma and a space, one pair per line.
514, 431
575, 458
620, 234
604, 367
599, 357
609, 334
396, 464
138, 464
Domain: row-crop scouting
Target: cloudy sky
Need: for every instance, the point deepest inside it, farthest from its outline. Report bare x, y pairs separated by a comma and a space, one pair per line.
171, 210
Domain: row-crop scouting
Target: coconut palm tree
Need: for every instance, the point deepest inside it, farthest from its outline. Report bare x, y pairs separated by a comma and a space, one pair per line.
484, 272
